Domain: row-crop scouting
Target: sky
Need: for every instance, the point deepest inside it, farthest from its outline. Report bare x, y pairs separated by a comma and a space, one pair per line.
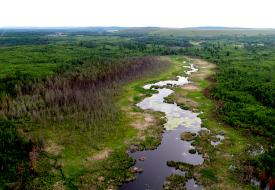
137, 13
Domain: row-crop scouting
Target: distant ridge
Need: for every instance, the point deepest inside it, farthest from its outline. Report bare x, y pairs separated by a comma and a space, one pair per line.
65, 28
219, 28
125, 27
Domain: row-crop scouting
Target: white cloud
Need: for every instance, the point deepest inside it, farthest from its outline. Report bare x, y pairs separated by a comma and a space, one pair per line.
165, 13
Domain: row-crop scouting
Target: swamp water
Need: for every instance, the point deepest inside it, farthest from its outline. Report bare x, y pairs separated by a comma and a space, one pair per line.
172, 148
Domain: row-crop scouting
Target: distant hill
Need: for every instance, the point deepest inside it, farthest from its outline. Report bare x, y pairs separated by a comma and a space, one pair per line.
199, 31
155, 31
217, 28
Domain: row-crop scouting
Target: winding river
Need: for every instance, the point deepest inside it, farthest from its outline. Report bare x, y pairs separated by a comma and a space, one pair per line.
172, 148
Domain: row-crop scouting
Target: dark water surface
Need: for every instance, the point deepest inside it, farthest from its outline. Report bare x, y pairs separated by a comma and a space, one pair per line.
172, 148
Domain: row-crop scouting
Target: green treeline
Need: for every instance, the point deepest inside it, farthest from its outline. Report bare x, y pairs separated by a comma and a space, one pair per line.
244, 88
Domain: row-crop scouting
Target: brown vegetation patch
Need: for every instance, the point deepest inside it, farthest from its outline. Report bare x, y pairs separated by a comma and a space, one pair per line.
205, 69
143, 121
101, 155
59, 186
191, 87
53, 148
180, 100
200, 75
187, 136
203, 64
89, 91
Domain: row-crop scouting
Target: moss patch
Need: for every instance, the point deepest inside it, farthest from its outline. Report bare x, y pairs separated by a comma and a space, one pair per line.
187, 136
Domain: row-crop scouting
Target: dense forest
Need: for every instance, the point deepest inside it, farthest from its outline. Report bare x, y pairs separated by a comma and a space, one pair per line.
244, 88
63, 86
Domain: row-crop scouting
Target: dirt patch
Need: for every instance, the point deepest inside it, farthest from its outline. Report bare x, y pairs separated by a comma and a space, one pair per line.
143, 121
191, 87
59, 186
205, 69
53, 148
203, 64
100, 155
180, 100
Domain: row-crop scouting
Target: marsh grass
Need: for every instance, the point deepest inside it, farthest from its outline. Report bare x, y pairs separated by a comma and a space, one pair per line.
214, 173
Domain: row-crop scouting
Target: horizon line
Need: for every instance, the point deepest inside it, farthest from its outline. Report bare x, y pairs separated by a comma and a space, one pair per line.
117, 26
